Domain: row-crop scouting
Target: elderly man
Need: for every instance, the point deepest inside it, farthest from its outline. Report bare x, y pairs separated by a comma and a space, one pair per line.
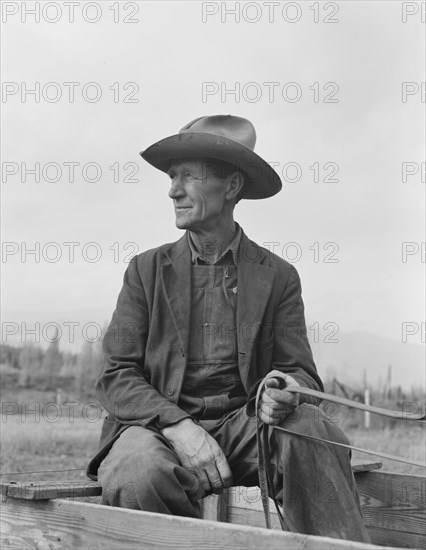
199, 323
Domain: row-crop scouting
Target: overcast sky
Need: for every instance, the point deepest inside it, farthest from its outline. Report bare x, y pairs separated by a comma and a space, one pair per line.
345, 107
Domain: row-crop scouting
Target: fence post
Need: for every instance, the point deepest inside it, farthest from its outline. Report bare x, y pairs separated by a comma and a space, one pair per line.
58, 396
366, 400
366, 413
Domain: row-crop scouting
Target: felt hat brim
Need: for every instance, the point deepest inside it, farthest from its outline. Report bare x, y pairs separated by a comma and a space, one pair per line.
262, 180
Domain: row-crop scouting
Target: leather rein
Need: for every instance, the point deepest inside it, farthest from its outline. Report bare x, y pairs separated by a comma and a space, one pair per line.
262, 436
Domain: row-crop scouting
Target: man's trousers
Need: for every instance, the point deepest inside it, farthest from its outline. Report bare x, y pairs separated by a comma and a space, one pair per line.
313, 480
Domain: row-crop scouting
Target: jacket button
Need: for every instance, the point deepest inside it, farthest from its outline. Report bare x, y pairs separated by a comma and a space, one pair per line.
170, 392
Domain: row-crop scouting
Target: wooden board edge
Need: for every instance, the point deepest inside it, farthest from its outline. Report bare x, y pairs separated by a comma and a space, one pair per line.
362, 466
67, 525
44, 490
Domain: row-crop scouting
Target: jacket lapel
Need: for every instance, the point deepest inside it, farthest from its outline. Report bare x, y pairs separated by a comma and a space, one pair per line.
176, 280
255, 282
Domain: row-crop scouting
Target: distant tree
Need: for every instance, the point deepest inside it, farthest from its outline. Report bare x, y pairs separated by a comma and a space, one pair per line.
52, 361
69, 362
30, 362
88, 366
9, 355
67, 374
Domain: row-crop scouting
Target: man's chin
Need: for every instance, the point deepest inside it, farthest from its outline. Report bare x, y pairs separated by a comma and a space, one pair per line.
183, 224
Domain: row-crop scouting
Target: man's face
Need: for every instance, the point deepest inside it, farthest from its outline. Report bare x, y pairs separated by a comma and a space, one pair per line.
198, 195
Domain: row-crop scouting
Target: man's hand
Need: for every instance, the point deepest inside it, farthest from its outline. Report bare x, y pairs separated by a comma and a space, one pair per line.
276, 403
200, 454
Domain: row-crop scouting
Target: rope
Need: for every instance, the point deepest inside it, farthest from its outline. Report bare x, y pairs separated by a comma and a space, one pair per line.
265, 483
262, 441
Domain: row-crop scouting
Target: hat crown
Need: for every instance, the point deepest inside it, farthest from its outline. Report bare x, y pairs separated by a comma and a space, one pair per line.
226, 138
231, 127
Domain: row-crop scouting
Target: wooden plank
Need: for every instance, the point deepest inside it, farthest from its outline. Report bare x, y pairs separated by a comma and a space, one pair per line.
215, 507
394, 508
364, 466
400, 490
42, 490
248, 516
397, 538
240, 505
397, 516
69, 525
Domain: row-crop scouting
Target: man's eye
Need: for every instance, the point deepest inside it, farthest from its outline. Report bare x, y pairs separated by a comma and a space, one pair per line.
189, 176
185, 176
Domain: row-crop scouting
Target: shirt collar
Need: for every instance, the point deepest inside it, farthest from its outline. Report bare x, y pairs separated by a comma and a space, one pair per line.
232, 247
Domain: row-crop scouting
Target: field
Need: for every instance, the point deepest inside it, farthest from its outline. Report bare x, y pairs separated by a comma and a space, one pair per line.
42, 446
54, 441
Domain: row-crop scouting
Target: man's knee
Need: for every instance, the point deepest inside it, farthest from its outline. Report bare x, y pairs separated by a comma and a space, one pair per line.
311, 420
304, 417
134, 467
129, 485
141, 471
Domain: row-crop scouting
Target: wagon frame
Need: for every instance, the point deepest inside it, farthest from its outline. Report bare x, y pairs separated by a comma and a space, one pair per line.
65, 515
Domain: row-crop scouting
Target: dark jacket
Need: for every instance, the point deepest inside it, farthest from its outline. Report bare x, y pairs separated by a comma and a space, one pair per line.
146, 343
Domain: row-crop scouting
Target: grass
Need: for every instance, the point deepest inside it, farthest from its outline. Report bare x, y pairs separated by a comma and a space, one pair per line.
52, 439
45, 446
402, 438
406, 441
31, 444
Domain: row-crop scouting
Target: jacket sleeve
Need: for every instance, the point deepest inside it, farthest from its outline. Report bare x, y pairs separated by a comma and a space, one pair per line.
123, 388
292, 353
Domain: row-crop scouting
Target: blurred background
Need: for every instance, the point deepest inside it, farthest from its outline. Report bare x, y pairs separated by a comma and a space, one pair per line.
336, 93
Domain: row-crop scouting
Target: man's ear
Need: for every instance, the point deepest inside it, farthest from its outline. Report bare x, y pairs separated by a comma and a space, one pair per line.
234, 184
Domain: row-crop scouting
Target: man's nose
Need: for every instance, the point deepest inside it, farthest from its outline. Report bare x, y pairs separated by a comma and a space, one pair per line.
176, 188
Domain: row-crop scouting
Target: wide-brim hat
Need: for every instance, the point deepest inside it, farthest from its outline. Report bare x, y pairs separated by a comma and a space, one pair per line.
220, 137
